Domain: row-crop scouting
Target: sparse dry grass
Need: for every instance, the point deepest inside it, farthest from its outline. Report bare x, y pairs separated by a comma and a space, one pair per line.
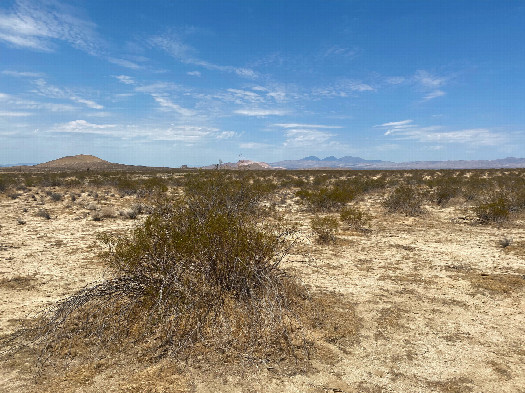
497, 284
24, 283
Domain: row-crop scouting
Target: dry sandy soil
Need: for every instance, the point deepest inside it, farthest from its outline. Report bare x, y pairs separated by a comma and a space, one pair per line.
439, 302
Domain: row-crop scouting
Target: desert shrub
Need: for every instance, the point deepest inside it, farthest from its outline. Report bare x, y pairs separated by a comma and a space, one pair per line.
325, 228
476, 186
3, 184
233, 192
107, 212
129, 213
445, 188
92, 206
50, 180
505, 242
495, 209
327, 198
196, 278
405, 200
127, 186
14, 195
516, 195
55, 196
154, 184
354, 217
43, 213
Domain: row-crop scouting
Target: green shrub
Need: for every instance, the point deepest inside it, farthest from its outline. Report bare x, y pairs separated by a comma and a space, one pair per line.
405, 200
445, 188
43, 213
327, 198
354, 218
197, 278
496, 209
325, 228
127, 186
154, 184
55, 196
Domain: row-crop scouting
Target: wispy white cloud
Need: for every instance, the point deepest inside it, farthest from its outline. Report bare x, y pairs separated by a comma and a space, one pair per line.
279, 93
405, 130
14, 114
428, 80
88, 103
340, 51
395, 80
167, 104
242, 96
23, 74
430, 84
51, 91
128, 80
35, 105
261, 112
254, 145
298, 137
35, 25
434, 94
124, 63
174, 46
396, 124
194, 73
158, 88
82, 126
343, 88
189, 134
298, 125
306, 135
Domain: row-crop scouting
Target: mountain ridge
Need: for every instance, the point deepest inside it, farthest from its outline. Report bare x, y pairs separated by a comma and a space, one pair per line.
350, 162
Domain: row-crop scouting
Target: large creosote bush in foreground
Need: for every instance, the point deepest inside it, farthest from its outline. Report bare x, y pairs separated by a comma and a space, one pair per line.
200, 277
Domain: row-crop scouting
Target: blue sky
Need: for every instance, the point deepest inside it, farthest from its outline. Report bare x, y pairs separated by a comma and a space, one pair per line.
168, 83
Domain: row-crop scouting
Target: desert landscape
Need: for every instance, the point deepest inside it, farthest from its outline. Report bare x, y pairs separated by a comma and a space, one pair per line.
417, 278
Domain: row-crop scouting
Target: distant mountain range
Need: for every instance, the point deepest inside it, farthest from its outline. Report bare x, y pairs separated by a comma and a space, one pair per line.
19, 164
349, 162
87, 162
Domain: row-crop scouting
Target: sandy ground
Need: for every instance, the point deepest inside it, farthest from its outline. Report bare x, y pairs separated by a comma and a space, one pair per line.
439, 301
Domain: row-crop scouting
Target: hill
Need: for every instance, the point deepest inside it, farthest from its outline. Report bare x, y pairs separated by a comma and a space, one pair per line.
242, 165
348, 162
80, 162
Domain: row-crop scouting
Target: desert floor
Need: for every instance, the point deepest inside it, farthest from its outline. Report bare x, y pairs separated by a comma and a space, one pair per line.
438, 300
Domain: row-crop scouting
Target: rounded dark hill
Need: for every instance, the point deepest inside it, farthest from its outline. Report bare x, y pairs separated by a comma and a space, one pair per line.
79, 162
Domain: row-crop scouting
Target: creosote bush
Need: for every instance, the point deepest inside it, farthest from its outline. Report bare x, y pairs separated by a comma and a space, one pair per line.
404, 199
354, 218
325, 228
43, 213
55, 196
495, 210
200, 277
327, 198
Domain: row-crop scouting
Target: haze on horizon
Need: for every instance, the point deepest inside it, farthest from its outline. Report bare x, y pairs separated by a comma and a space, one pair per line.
166, 83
